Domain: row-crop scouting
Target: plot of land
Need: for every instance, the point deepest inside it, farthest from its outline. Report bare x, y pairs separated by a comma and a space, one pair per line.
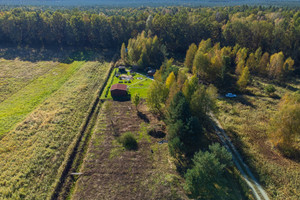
24, 88
110, 172
137, 85
16, 74
32, 153
246, 120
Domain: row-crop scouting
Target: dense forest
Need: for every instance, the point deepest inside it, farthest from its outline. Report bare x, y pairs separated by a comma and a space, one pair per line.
269, 28
138, 3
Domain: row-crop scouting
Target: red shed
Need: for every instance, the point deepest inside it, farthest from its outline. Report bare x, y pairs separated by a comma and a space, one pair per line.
118, 90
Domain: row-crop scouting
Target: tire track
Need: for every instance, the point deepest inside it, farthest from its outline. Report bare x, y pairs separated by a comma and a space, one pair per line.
257, 190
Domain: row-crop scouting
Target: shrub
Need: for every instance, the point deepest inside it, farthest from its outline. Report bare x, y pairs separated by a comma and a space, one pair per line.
128, 141
270, 89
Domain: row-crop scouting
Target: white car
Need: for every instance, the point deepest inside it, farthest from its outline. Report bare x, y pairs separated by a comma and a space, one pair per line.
230, 95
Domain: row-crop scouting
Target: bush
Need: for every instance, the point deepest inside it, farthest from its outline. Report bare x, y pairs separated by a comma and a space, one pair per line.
128, 141
270, 89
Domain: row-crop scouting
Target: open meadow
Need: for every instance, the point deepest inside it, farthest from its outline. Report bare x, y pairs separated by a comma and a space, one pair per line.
46, 114
246, 119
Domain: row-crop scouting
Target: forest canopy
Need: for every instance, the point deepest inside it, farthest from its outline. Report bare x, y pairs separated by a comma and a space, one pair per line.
271, 29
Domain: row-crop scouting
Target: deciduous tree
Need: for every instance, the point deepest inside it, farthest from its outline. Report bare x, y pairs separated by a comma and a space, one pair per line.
244, 79
123, 52
190, 54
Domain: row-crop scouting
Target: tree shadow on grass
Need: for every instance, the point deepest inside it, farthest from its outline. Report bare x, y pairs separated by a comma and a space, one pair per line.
290, 152
241, 99
66, 55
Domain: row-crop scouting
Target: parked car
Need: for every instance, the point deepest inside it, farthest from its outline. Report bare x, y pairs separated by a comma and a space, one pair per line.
230, 95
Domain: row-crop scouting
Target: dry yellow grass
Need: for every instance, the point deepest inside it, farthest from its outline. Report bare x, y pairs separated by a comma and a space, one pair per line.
246, 120
32, 153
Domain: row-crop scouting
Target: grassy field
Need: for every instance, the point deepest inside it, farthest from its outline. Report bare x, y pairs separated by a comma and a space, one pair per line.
111, 172
32, 153
246, 120
138, 85
24, 90
16, 74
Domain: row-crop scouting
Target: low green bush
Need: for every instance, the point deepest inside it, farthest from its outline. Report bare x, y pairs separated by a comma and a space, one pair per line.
270, 89
128, 141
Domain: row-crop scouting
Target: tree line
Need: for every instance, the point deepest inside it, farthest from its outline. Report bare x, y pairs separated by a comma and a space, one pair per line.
269, 28
211, 63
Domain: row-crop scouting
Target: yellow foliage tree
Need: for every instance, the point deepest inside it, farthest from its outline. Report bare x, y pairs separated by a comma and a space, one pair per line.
123, 52
275, 69
190, 54
285, 125
170, 80
244, 79
288, 65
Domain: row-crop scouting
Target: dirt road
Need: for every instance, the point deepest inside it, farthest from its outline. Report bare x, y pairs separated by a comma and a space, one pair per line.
257, 190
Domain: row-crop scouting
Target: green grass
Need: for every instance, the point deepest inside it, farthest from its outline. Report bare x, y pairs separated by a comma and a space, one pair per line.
16, 74
15, 108
32, 154
246, 120
135, 87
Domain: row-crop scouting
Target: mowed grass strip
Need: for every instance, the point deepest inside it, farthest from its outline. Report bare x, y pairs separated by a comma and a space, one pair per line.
16, 107
31, 154
16, 74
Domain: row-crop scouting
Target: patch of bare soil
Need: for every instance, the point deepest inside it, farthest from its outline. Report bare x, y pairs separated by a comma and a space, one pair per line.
110, 172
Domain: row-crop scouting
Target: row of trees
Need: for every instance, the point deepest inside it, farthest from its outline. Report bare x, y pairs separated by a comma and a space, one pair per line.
65, 29
186, 104
211, 63
271, 29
